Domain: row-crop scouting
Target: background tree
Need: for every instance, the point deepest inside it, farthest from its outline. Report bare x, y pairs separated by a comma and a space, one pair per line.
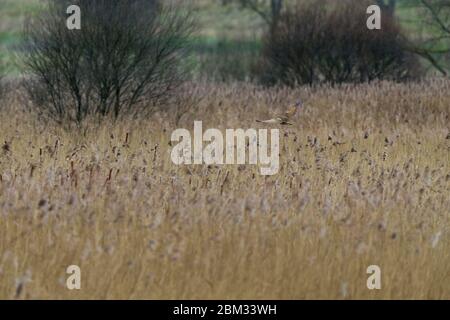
387, 6
268, 10
310, 45
125, 59
435, 43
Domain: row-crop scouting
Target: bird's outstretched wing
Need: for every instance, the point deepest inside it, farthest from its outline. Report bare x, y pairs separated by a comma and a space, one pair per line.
288, 115
278, 120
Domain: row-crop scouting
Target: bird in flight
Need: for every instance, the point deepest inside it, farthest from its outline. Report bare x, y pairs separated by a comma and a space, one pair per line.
287, 116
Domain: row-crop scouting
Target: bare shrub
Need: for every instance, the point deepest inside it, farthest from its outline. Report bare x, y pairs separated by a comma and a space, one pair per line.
313, 45
126, 58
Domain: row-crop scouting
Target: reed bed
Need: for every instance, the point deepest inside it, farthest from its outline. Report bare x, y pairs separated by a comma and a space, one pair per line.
364, 179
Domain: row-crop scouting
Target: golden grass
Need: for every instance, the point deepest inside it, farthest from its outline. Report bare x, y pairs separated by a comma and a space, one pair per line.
364, 179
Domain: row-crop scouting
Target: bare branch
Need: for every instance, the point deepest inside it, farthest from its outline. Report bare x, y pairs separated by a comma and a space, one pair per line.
128, 53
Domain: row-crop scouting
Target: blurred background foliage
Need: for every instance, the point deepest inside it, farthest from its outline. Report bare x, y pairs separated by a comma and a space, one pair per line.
230, 33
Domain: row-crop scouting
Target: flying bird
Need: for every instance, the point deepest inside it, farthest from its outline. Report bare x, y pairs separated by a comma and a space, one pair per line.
287, 116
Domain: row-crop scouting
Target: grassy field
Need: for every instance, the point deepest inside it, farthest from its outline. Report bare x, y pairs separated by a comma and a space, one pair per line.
12, 15
364, 179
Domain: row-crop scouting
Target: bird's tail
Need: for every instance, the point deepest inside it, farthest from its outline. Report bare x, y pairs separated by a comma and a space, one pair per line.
258, 120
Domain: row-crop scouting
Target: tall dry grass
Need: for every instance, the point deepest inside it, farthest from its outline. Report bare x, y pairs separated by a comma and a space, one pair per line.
364, 179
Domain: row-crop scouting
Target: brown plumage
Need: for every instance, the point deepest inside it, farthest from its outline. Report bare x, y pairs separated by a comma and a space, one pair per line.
286, 117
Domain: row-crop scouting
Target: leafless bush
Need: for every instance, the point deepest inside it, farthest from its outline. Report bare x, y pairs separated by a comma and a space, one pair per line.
126, 58
313, 45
